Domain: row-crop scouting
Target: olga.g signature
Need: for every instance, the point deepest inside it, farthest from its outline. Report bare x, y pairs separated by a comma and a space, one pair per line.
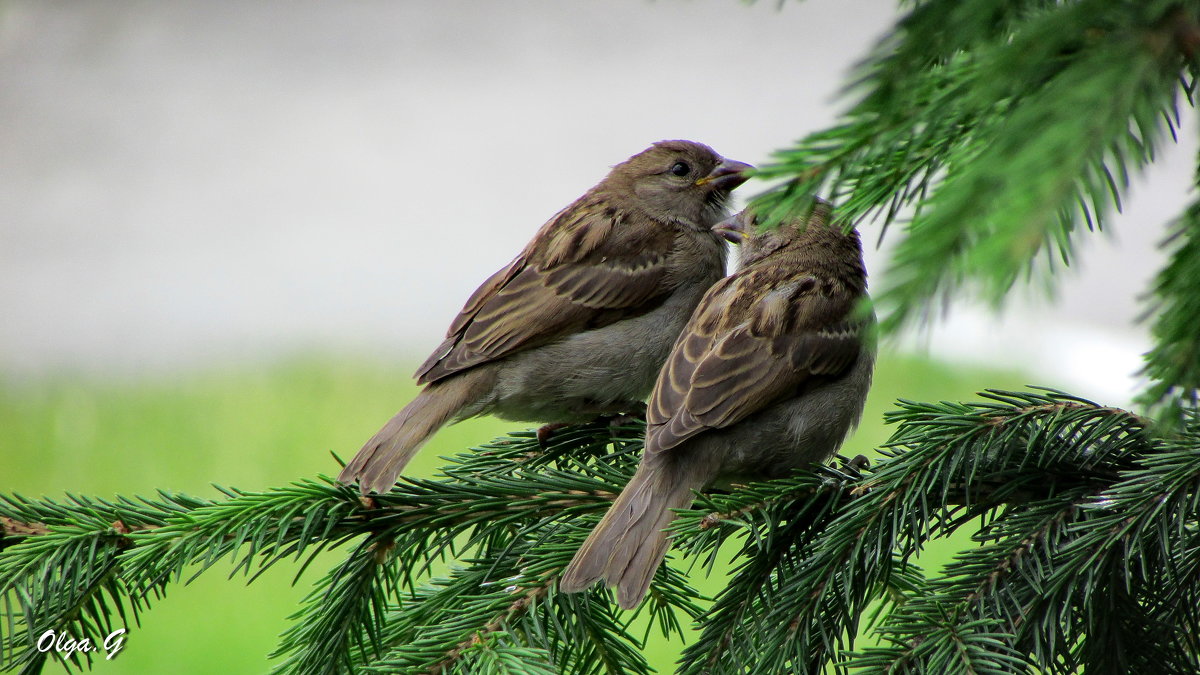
66, 645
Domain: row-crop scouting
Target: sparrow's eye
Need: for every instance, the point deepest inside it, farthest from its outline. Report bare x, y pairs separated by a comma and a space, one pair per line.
681, 169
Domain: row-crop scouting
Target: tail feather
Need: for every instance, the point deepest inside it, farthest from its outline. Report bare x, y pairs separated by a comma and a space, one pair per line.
381, 459
629, 543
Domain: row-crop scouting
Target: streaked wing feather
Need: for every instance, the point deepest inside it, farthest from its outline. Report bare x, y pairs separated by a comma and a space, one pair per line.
768, 343
570, 278
690, 348
609, 286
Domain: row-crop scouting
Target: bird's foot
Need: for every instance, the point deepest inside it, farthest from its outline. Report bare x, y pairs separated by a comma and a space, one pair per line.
855, 465
545, 431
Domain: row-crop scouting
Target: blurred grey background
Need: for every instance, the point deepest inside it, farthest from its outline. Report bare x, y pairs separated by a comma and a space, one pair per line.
190, 182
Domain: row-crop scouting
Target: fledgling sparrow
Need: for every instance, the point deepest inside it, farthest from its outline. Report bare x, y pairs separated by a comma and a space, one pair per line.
579, 324
769, 375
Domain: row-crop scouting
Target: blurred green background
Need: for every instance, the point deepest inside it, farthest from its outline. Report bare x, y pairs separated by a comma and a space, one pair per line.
255, 427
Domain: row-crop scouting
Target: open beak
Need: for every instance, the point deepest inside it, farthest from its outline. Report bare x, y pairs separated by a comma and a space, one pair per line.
727, 175
733, 229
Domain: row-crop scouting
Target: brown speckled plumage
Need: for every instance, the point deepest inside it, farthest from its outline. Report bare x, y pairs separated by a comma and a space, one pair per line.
770, 374
579, 323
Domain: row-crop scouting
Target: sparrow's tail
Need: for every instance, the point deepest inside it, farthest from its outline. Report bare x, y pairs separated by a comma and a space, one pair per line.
382, 458
629, 544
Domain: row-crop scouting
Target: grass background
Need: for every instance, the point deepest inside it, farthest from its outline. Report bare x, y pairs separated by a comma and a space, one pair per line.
263, 426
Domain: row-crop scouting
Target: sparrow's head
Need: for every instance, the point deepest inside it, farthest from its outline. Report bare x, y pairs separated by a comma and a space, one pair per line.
679, 181
757, 243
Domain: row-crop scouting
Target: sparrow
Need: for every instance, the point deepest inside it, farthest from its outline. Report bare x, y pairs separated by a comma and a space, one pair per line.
580, 322
769, 375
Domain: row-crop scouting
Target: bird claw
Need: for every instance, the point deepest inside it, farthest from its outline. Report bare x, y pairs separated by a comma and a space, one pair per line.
545, 431
857, 464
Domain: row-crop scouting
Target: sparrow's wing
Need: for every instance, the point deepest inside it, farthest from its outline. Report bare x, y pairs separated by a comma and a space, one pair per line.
756, 338
588, 267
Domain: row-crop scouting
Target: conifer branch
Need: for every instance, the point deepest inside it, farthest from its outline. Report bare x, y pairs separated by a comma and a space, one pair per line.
1174, 362
969, 131
1080, 504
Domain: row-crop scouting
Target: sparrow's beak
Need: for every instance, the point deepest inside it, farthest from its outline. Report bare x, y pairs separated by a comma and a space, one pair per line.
732, 229
727, 175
